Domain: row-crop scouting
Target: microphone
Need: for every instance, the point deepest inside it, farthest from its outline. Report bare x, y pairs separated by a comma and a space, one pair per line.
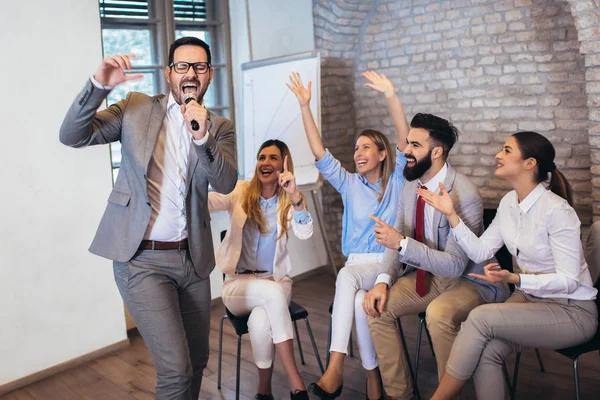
186, 99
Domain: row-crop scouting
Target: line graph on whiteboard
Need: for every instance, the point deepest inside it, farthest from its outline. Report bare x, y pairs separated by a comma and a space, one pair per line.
271, 111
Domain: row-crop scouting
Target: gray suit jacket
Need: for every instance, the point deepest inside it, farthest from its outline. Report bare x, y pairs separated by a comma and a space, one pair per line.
447, 259
136, 123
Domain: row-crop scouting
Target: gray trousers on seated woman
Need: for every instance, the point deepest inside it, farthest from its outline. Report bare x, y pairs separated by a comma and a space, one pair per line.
494, 331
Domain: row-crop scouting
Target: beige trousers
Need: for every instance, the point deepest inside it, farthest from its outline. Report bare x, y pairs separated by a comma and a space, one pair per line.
494, 331
447, 302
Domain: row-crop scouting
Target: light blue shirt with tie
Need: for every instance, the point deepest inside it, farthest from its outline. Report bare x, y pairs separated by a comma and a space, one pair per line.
360, 200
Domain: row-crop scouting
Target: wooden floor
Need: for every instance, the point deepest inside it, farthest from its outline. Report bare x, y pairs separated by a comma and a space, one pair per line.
129, 374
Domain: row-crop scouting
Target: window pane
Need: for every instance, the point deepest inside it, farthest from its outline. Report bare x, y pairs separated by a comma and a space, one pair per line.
115, 151
222, 112
126, 41
145, 85
202, 35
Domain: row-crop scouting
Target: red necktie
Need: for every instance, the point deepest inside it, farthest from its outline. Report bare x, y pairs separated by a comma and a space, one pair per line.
421, 285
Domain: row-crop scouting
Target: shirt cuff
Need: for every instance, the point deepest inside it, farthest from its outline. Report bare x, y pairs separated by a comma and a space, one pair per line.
302, 217
527, 282
201, 141
384, 278
98, 85
403, 246
461, 229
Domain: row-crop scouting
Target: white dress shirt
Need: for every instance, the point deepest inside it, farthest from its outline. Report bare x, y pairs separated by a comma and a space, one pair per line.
433, 185
167, 174
543, 234
167, 177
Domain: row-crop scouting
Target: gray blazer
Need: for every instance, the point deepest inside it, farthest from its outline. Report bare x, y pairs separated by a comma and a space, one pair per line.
136, 122
447, 259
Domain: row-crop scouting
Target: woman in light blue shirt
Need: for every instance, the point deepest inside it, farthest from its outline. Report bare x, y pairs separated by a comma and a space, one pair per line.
373, 190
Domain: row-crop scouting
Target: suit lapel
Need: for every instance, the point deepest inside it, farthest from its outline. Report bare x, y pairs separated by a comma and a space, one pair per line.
157, 116
192, 164
437, 216
411, 207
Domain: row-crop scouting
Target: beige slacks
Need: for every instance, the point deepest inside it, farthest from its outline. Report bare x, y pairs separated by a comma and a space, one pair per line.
447, 303
494, 331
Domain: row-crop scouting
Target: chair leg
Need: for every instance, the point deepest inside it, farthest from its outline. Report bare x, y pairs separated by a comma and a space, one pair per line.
351, 345
506, 378
419, 335
430, 341
299, 344
513, 391
576, 377
314, 345
539, 358
328, 345
237, 368
220, 352
407, 354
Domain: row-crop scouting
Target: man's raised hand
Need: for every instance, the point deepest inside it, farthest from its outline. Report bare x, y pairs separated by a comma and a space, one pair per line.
112, 70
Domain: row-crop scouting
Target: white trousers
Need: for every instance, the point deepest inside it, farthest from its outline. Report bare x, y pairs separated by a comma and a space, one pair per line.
266, 302
353, 281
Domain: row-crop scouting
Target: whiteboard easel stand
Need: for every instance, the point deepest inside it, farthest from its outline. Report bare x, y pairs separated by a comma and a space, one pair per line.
314, 189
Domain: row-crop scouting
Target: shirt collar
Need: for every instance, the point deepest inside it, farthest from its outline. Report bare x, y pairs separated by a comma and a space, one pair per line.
375, 186
531, 198
171, 102
268, 203
434, 183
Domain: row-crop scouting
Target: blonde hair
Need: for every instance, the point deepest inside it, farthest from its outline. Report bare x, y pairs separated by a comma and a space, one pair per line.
251, 201
389, 163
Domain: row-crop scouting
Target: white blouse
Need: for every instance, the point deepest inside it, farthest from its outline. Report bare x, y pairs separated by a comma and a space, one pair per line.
543, 235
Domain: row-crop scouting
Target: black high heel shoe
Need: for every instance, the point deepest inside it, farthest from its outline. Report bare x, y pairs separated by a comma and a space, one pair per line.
323, 395
299, 395
260, 396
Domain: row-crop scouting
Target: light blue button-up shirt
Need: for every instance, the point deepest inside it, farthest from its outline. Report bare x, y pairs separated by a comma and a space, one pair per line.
258, 250
360, 201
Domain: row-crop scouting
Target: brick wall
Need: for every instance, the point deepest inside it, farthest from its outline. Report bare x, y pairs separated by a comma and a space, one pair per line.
491, 67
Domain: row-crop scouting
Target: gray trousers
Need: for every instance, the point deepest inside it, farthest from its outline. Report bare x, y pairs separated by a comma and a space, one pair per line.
494, 331
170, 305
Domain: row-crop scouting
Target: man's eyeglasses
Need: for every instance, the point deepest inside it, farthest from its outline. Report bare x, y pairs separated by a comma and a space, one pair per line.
182, 67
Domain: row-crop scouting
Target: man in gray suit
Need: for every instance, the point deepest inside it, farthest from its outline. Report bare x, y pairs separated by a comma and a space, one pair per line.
156, 227
435, 278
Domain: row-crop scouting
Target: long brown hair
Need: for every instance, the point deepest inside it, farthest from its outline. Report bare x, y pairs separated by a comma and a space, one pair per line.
251, 201
389, 162
534, 145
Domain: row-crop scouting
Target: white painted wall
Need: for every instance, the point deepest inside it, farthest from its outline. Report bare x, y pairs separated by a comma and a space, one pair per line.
278, 28
57, 301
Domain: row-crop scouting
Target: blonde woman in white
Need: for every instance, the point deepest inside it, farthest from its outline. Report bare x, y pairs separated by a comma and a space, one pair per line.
255, 259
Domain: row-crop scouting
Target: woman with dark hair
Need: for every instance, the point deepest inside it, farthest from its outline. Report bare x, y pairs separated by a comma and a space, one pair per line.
373, 190
255, 259
552, 306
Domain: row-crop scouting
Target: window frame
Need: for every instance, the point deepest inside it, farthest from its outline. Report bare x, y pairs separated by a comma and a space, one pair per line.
162, 25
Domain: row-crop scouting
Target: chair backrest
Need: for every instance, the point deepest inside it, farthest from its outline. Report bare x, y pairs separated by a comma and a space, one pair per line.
592, 251
503, 255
